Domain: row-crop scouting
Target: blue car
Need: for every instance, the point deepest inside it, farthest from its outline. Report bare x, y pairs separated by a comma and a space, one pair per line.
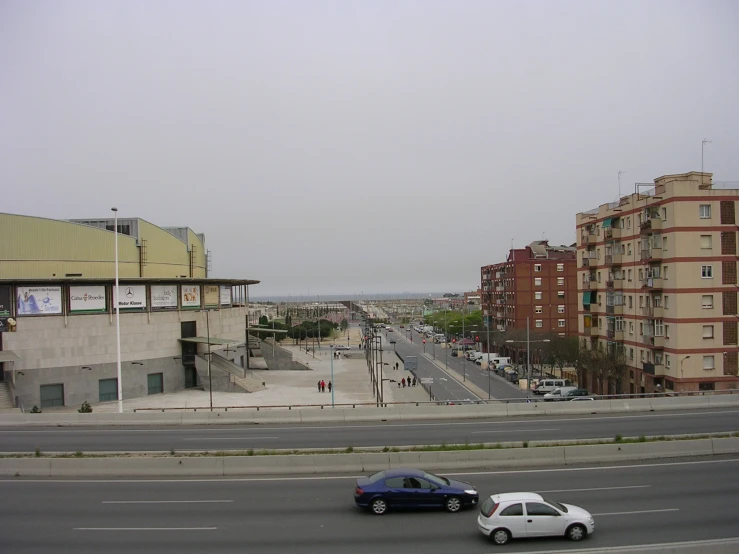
412, 488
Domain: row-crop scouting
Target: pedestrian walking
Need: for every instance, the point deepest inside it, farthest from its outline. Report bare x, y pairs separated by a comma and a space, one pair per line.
329, 386
319, 386
414, 381
323, 385
403, 381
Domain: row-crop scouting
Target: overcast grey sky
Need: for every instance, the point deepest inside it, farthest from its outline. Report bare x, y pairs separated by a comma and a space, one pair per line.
377, 146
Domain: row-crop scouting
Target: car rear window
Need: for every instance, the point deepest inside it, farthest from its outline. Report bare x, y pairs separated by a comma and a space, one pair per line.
376, 477
487, 506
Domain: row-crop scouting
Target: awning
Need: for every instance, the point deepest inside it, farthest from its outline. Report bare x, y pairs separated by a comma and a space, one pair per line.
8, 356
213, 340
587, 297
606, 222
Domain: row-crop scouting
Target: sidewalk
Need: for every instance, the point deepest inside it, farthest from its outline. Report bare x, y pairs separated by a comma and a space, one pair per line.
290, 388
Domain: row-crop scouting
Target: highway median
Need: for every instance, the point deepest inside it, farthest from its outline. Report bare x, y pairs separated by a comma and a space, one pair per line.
365, 459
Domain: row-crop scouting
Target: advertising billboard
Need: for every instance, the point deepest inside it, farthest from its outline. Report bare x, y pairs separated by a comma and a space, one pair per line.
5, 301
38, 301
87, 298
163, 297
225, 296
133, 297
211, 295
190, 296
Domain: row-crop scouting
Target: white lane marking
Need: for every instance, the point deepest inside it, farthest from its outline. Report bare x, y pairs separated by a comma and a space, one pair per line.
228, 438
601, 489
637, 512
145, 528
352, 477
511, 431
275, 427
657, 547
166, 501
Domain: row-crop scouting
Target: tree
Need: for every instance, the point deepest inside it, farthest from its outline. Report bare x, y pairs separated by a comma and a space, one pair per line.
263, 320
344, 325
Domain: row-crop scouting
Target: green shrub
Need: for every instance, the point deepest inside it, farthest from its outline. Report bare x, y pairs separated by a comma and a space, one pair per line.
85, 408
618, 438
35, 410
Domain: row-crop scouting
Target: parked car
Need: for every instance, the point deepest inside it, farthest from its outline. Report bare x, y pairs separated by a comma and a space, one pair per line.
341, 347
412, 488
524, 514
576, 392
559, 393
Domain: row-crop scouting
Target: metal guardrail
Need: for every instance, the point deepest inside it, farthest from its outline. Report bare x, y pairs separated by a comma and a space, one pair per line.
528, 399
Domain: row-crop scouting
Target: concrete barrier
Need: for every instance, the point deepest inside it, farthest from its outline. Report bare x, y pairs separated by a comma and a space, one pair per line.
729, 445
362, 463
617, 452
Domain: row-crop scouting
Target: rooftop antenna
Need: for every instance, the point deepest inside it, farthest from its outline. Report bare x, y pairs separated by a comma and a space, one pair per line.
620, 172
703, 145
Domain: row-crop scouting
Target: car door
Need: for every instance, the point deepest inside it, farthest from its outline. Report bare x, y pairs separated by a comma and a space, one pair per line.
421, 493
513, 519
395, 492
542, 520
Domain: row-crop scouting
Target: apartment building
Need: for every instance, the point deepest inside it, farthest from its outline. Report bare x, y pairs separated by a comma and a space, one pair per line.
657, 276
538, 282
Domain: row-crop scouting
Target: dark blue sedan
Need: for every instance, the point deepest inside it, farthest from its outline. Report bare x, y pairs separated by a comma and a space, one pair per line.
412, 488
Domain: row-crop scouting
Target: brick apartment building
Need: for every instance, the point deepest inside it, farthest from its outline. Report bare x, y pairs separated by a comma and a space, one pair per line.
538, 282
657, 277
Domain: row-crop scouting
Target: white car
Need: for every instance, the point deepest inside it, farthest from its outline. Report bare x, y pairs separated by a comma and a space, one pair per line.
341, 347
516, 515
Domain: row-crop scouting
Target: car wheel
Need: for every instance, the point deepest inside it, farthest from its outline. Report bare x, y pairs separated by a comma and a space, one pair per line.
576, 532
501, 536
378, 506
453, 504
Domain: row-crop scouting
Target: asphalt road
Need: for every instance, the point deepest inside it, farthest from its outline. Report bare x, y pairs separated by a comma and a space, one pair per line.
496, 386
229, 437
632, 505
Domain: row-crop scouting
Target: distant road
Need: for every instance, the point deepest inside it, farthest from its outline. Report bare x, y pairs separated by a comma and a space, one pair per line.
230, 437
632, 505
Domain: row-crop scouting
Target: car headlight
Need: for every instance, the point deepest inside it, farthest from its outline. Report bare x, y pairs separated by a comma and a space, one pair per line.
470, 491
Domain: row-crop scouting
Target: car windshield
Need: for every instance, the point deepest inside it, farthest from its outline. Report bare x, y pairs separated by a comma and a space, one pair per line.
376, 477
436, 479
560, 507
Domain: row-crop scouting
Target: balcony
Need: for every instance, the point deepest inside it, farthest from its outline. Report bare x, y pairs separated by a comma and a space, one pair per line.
617, 284
652, 254
654, 283
499, 314
611, 334
657, 343
653, 312
586, 331
613, 259
613, 233
619, 335
615, 309
651, 224
588, 238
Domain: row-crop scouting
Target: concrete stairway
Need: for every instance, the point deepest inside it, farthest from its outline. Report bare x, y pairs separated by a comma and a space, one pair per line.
6, 399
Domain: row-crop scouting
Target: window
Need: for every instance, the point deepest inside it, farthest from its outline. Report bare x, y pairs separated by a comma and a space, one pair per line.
664, 214
629, 276
629, 249
705, 211
631, 353
597, 253
667, 331
641, 301
416, 483
155, 383
631, 327
628, 222
394, 483
667, 302
537, 295
539, 323
537, 309
561, 294
706, 272
667, 360
707, 301
708, 331
561, 281
108, 390
706, 242
560, 309
631, 301
539, 509
659, 328
52, 395
560, 267
537, 282
708, 362
664, 245
599, 276
560, 323
537, 268
513, 510
642, 355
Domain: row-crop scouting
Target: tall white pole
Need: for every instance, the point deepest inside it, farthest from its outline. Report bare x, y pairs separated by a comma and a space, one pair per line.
117, 315
528, 358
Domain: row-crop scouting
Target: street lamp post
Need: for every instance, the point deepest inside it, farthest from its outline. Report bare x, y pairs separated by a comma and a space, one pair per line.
333, 385
528, 354
682, 375
210, 379
117, 315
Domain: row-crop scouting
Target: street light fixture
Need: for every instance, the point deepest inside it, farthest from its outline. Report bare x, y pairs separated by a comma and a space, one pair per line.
117, 314
528, 354
682, 375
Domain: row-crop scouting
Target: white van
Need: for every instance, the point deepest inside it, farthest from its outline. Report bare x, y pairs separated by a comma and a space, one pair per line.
485, 359
499, 361
548, 385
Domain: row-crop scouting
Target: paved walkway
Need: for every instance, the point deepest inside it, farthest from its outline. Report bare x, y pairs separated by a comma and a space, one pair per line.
291, 388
